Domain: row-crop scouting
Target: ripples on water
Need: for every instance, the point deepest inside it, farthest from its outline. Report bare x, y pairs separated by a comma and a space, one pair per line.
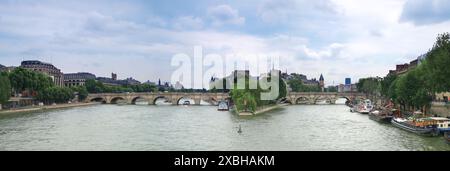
127, 127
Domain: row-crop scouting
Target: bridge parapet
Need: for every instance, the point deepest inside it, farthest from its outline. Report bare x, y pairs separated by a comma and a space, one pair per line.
173, 97
315, 97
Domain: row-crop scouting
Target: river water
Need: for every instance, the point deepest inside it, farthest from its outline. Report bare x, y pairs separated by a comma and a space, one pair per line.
141, 127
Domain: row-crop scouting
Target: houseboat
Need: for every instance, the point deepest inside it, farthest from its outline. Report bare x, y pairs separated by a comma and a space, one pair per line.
365, 107
383, 116
421, 126
442, 124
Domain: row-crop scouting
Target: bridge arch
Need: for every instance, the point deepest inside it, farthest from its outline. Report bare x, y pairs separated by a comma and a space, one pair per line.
135, 99
167, 99
327, 100
114, 100
186, 98
97, 99
302, 100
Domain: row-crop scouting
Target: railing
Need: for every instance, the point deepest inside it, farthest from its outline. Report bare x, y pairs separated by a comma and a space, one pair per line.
326, 93
159, 93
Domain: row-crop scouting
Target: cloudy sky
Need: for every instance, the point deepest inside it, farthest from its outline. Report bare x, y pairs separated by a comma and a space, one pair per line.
339, 38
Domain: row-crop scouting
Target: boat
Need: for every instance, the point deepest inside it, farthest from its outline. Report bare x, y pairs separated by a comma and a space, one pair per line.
186, 103
223, 106
383, 116
442, 124
420, 126
365, 107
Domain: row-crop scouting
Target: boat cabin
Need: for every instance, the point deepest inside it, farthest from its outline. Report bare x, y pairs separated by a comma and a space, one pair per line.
443, 124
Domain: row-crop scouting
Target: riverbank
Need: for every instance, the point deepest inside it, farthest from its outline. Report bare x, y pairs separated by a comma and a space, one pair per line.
42, 108
261, 111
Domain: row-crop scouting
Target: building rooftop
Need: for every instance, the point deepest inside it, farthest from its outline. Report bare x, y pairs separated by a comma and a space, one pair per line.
36, 62
79, 75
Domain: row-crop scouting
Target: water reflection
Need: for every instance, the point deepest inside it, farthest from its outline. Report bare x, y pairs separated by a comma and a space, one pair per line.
146, 127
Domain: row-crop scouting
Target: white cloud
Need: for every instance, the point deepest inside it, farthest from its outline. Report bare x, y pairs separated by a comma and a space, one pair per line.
422, 12
295, 11
224, 14
339, 38
188, 22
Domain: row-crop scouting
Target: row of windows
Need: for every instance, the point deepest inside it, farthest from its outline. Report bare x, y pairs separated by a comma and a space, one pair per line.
73, 84
82, 80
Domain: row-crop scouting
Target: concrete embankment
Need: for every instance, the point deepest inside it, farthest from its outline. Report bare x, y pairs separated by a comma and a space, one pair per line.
41, 108
440, 109
262, 110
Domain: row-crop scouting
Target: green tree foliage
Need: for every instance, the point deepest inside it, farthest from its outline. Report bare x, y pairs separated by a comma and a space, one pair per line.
297, 85
437, 65
412, 91
249, 99
332, 89
416, 88
141, 88
93, 86
55, 95
25, 80
81, 91
386, 84
370, 86
5, 87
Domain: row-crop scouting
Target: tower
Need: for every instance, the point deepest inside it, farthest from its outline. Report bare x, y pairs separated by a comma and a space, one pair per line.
113, 76
322, 83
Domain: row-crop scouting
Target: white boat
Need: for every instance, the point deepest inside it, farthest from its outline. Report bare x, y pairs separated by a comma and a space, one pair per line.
365, 107
186, 103
223, 106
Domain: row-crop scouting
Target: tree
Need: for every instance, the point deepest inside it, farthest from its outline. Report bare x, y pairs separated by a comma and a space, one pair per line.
296, 85
93, 86
386, 84
370, 86
332, 89
5, 88
55, 95
412, 90
437, 63
25, 80
249, 99
81, 91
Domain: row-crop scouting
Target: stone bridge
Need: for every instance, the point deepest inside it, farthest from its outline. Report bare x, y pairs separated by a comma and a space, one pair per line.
213, 98
151, 98
315, 97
